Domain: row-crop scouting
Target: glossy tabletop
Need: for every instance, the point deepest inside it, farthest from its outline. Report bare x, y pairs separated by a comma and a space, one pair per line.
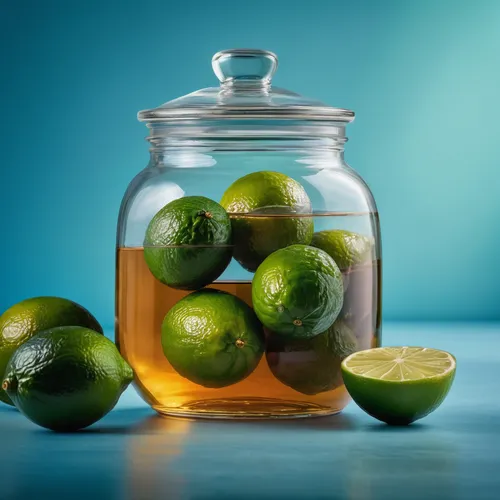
134, 454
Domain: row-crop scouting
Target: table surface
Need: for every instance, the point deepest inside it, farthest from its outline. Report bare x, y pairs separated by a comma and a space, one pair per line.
134, 454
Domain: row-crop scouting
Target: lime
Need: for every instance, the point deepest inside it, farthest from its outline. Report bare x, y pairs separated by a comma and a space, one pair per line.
346, 248
311, 366
66, 378
23, 320
298, 291
187, 243
362, 300
269, 211
399, 385
212, 338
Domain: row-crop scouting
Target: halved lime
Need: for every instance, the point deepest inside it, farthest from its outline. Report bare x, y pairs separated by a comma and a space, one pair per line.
399, 385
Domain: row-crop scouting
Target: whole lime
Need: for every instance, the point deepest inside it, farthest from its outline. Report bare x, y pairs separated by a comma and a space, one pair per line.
212, 338
188, 243
66, 378
311, 366
269, 211
298, 291
23, 320
361, 309
346, 248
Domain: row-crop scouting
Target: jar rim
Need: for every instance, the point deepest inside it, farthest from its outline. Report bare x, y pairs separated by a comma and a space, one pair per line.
320, 113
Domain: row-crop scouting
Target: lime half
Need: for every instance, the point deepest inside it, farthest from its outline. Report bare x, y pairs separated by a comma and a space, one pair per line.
399, 385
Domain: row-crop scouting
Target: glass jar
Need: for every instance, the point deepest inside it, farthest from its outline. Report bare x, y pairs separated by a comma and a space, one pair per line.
212, 355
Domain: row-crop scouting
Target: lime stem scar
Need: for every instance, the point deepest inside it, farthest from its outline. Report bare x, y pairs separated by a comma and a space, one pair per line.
297, 322
208, 215
5, 385
240, 343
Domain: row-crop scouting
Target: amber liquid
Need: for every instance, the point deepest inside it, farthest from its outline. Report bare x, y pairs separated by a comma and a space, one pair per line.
142, 302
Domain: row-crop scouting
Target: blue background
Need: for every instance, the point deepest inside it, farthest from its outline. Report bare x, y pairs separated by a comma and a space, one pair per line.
423, 78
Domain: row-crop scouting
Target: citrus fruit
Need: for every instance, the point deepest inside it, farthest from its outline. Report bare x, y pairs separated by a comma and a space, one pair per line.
66, 378
298, 291
23, 320
399, 385
212, 338
361, 309
346, 248
269, 211
187, 243
311, 366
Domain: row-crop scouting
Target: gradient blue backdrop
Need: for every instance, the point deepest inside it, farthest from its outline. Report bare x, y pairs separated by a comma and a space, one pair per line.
423, 78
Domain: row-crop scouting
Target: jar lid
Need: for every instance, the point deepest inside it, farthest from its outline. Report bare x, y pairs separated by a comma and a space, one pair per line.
245, 92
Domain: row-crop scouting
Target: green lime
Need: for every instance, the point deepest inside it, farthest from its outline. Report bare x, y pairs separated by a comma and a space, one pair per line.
269, 211
399, 385
66, 378
188, 243
346, 248
311, 366
212, 338
361, 309
298, 291
23, 320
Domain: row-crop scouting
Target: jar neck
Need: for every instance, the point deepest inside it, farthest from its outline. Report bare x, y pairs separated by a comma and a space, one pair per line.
201, 153
173, 143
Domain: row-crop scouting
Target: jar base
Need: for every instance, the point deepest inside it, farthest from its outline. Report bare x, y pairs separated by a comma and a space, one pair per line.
247, 408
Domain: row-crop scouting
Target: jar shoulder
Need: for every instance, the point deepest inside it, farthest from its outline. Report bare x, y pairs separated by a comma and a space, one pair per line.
332, 185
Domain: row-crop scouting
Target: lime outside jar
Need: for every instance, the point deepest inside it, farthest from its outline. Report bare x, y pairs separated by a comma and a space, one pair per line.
269, 167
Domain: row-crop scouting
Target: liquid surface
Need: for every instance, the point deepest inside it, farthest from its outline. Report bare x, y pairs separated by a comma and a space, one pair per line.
142, 303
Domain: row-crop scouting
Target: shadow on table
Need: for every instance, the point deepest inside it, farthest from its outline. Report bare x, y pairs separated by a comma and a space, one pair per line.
5, 408
395, 429
142, 421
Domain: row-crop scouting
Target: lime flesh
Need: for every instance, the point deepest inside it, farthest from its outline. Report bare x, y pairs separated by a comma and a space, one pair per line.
399, 385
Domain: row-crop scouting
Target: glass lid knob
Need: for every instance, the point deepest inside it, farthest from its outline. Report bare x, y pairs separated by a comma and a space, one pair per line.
244, 66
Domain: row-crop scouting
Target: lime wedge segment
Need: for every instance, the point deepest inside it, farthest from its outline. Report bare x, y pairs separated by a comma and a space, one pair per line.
399, 385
